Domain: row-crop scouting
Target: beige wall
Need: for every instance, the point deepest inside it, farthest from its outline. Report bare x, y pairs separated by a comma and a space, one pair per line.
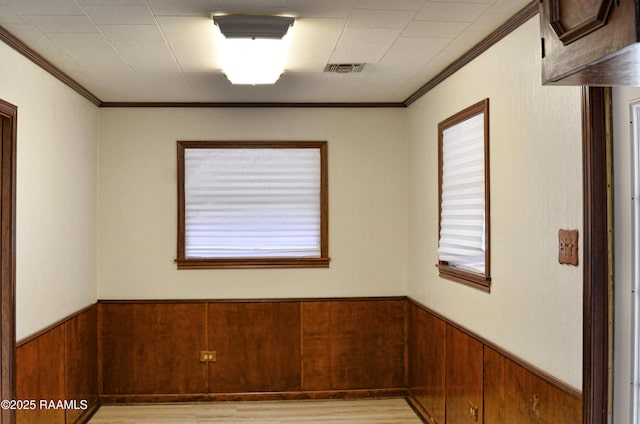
56, 194
535, 306
137, 202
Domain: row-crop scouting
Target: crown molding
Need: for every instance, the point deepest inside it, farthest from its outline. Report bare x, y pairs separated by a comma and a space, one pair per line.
526, 13
256, 104
529, 11
13, 42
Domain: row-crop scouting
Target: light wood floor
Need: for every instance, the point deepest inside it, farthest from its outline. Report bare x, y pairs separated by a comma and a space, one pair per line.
379, 411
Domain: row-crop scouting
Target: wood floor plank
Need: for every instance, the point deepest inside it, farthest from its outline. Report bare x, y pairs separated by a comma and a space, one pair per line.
378, 411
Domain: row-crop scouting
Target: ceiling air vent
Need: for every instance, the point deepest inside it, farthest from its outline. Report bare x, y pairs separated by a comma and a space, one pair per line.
344, 68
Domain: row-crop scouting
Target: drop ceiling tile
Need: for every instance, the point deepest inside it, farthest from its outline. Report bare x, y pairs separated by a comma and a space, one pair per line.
390, 5
92, 51
208, 85
320, 9
187, 26
192, 40
103, 62
360, 45
450, 12
183, 7
488, 22
41, 43
382, 89
291, 87
10, 16
159, 86
111, 2
303, 84
508, 7
195, 57
417, 80
480, 28
446, 57
471, 1
147, 55
94, 40
102, 15
429, 29
249, 4
47, 7
53, 24
246, 93
122, 87
407, 55
382, 19
252, 6
313, 41
132, 32
335, 88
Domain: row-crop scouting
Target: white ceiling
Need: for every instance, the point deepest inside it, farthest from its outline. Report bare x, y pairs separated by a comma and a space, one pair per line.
165, 51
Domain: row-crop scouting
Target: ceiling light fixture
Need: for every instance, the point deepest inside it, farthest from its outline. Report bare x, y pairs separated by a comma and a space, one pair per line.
253, 48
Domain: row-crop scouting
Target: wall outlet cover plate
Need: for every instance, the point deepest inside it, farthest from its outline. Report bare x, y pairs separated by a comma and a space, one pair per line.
568, 247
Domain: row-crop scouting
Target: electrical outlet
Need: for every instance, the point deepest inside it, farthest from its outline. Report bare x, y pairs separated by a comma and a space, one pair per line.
208, 356
473, 412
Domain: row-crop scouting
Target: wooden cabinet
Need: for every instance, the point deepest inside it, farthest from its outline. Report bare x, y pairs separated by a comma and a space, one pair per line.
590, 42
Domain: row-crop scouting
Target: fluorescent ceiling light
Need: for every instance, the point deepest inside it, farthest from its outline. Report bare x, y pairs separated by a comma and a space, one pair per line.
253, 49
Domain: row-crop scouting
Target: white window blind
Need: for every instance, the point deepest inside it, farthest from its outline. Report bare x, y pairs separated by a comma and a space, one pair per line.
252, 203
462, 225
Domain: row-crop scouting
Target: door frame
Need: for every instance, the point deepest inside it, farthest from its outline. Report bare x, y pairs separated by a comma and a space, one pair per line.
597, 257
8, 133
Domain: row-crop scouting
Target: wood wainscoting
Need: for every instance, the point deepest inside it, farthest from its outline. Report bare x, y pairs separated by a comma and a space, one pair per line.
59, 363
150, 351
457, 377
279, 349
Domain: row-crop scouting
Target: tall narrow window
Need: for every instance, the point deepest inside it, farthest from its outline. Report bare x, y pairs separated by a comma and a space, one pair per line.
463, 163
252, 204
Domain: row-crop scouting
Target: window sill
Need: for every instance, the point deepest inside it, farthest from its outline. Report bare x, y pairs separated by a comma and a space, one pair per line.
478, 281
242, 263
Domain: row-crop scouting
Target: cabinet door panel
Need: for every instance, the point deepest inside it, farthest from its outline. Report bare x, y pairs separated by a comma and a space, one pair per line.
574, 19
592, 42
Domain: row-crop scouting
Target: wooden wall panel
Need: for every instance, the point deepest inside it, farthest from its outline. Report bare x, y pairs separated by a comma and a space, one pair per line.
60, 364
427, 363
464, 362
515, 395
505, 389
257, 345
82, 363
40, 375
152, 348
353, 344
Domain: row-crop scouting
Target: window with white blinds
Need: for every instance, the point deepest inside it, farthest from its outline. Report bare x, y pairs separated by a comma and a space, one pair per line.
463, 249
252, 204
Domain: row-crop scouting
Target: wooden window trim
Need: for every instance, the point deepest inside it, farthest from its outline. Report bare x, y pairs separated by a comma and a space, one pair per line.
472, 279
227, 263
